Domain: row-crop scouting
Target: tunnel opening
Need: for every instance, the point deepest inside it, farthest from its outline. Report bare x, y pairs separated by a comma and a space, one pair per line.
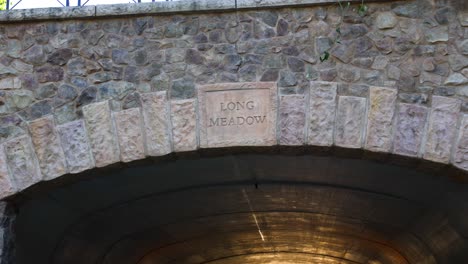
263, 206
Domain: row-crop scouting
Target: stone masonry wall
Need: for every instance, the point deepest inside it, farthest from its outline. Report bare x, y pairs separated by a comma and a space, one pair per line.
80, 93
87, 92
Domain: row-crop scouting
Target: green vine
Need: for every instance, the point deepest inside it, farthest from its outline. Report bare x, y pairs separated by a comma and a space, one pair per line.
362, 10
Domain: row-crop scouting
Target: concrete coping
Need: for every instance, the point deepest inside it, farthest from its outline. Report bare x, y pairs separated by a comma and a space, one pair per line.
156, 8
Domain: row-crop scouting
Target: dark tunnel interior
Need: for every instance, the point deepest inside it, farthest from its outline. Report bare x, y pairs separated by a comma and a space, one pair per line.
246, 208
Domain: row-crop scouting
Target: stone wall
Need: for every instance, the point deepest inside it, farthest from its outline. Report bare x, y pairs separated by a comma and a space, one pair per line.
83, 93
88, 87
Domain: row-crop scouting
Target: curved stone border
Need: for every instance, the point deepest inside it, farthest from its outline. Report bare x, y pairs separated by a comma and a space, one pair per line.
319, 118
156, 8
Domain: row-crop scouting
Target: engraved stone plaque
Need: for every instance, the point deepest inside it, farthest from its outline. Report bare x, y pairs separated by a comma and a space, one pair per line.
237, 114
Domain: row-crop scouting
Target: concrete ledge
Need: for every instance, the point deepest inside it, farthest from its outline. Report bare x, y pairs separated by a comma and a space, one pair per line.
48, 13
247, 4
156, 8
164, 7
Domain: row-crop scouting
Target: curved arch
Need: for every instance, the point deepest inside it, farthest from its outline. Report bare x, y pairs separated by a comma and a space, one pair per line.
277, 256
321, 118
41, 151
358, 239
140, 190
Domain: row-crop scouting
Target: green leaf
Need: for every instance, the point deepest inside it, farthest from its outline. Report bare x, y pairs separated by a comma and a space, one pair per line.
362, 9
338, 30
324, 56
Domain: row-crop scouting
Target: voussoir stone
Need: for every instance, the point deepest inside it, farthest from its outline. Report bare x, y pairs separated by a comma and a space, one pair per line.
409, 129
22, 162
460, 155
380, 119
292, 119
157, 123
48, 148
76, 146
350, 121
130, 134
100, 127
6, 184
184, 124
322, 113
441, 129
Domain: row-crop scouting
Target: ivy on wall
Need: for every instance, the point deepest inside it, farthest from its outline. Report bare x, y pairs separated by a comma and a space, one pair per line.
344, 7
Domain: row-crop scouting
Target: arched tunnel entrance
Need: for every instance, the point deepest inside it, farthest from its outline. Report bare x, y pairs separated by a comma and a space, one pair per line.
247, 207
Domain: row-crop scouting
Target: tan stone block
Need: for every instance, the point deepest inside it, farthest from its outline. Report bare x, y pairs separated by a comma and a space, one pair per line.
409, 129
350, 121
130, 134
48, 147
441, 129
322, 111
292, 120
22, 162
157, 123
6, 184
238, 114
76, 146
104, 144
184, 124
460, 155
380, 119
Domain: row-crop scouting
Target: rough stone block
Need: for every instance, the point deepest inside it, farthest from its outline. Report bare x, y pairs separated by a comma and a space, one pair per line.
350, 121
130, 134
292, 119
460, 155
22, 162
409, 129
441, 129
76, 146
184, 125
463, 18
238, 114
322, 113
6, 184
386, 20
101, 133
156, 123
380, 119
10, 83
48, 148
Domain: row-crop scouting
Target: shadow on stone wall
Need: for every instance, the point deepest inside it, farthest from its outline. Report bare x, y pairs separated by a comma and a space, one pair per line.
7, 246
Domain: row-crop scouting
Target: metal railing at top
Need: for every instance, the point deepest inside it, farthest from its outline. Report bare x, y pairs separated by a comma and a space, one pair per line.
67, 3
